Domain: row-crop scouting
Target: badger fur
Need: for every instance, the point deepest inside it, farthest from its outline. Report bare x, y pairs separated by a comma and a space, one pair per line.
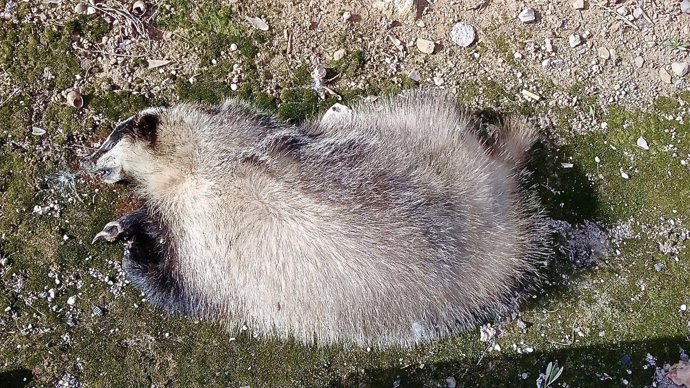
390, 224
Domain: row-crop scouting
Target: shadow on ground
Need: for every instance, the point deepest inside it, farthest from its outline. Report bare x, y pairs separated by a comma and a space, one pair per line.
15, 378
591, 366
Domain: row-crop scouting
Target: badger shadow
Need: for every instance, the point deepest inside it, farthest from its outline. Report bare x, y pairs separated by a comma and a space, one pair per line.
15, 378
587, 366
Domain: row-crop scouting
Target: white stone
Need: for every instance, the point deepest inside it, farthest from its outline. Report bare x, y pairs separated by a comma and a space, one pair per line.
579, 4
638, 61
665, 76
463, 34
527, 15
637, 13
258, 23
642, 143
72, 300
338, 55
426, 46
680, 68
685, 6
337, 114
395, 8
415, 76
574, 40
603, 53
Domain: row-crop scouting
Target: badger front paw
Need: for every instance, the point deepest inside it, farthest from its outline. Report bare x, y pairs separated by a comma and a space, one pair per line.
123, 228
111, 232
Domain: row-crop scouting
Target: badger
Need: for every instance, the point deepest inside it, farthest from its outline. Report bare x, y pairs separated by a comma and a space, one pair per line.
389, 224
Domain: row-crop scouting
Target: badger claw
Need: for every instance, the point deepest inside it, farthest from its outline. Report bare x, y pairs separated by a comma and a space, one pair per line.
111, 232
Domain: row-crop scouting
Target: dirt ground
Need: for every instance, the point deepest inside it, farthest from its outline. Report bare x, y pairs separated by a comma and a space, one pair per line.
604, 82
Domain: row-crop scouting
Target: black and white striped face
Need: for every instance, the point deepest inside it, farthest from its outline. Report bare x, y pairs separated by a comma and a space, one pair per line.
129, 137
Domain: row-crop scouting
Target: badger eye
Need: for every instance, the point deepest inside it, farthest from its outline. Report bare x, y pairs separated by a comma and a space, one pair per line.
146, 127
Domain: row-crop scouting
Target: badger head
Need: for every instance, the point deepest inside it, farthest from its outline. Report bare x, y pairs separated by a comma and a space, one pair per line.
127, 148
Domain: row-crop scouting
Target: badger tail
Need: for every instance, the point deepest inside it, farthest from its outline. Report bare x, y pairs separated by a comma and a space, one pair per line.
512, 139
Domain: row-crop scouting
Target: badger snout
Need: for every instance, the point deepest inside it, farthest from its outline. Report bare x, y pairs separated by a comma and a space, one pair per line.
105, 162
107, 169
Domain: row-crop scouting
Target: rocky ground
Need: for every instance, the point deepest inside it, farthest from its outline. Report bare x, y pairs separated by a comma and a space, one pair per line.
605, 81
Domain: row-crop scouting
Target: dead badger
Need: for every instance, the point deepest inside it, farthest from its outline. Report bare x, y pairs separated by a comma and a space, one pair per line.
389, 224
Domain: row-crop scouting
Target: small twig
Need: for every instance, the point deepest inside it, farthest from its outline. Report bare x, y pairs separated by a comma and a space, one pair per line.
15, 91
109, 53
619, 16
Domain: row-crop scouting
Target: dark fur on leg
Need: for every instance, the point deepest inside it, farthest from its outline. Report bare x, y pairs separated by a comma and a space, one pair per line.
149, 260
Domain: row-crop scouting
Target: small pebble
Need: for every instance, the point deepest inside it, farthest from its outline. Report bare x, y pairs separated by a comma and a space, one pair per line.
527, 15
638, 61
347, 15
597, 159
438, 81
530, 96
425, 46
574, 40
637, 13
680, 68
415, 76
642, 143
463, 34
97, 311
338, 55
81, 8
450, 382
233, 47
665, 76
603, 53
579, 4
258, 23
659, 267
683, 308
685, 6
233, 87
624, 175
36, 131
72, 300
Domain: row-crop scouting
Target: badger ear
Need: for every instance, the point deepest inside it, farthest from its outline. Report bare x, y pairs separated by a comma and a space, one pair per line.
146, 127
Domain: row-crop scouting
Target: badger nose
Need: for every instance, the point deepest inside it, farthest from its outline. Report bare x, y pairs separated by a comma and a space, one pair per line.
87, 164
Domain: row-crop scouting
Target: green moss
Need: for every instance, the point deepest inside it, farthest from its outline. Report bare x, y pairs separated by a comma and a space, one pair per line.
29, 54
216, 29
663, 104
92, 27
116, 105
350, 65
297, 104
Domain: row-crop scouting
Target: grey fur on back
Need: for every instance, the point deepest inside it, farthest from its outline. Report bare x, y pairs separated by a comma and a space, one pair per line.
393, 225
